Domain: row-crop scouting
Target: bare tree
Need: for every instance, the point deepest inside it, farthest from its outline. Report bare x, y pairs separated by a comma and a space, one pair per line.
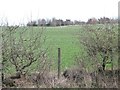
102, 42
101, 48
21, 48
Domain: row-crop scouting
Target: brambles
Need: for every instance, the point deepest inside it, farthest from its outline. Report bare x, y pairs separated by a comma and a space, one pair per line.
8, 82
73, 74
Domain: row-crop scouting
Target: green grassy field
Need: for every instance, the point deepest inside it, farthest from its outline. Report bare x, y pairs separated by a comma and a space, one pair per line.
66, 38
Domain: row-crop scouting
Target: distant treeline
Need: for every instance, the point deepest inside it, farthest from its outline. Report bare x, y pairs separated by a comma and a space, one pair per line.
60, 22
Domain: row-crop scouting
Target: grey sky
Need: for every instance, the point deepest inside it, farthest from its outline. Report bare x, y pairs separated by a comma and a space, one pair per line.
21, 11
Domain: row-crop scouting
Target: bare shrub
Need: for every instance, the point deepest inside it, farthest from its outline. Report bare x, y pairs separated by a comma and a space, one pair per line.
76, 75
100, 46
21, 48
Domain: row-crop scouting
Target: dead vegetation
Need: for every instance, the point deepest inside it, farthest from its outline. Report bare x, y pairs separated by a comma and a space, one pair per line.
71, 78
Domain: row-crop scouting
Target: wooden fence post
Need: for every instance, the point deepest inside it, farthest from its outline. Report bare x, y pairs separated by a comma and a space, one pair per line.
59, 57
1, 68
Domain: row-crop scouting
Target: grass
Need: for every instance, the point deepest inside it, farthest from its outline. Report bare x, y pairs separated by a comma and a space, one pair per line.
65, 38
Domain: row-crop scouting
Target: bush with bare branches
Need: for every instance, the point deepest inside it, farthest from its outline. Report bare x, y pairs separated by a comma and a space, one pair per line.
21, 48
101, 47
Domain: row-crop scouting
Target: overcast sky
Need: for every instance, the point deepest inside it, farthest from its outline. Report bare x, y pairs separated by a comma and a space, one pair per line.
21, 11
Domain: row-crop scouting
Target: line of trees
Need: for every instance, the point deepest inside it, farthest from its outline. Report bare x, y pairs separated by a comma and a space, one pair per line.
60, 22
101, 20
54, 22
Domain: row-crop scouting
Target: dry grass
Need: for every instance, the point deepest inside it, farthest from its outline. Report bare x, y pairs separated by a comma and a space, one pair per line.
87, 80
